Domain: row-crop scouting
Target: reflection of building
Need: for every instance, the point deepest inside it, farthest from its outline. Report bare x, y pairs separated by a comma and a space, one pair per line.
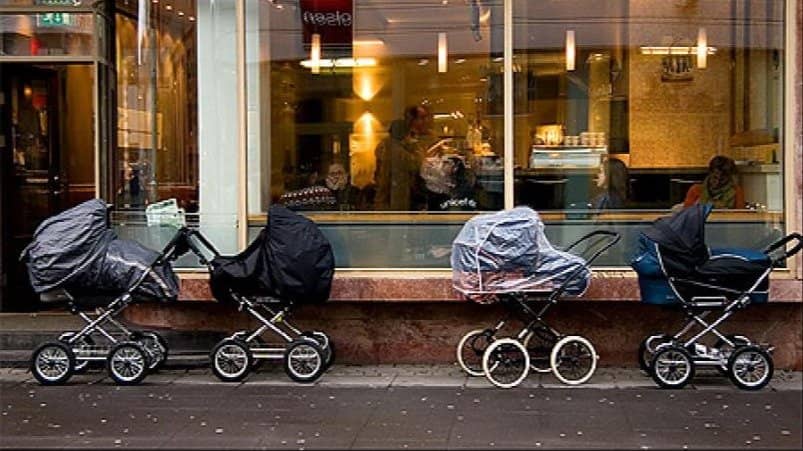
228, 116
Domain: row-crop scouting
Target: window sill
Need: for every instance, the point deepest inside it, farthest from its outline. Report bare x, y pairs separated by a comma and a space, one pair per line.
436, 286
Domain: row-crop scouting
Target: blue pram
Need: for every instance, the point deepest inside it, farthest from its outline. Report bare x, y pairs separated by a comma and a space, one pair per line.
675, 267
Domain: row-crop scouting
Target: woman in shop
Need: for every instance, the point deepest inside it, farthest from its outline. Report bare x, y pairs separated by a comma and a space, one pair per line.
614, 181
719, 187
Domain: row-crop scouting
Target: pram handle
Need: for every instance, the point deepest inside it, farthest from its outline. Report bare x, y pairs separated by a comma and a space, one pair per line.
780, 244
612, 238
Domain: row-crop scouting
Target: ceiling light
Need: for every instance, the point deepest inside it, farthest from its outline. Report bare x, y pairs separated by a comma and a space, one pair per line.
673, 50
702, 48
571, 51
442, 52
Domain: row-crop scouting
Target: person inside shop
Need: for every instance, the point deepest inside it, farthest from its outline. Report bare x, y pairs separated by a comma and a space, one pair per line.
613, 181
338, 183
719, 188
398, 161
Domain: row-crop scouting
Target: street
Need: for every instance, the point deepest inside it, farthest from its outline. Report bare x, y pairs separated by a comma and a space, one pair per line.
191, 409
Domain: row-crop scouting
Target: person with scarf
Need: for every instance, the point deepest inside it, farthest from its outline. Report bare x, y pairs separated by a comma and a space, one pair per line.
719, 188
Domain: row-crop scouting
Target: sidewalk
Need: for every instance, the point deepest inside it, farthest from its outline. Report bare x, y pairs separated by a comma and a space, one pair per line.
387, 376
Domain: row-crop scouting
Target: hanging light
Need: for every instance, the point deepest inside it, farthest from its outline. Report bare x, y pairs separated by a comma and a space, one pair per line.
702, 48
315, 53
571, 51
442, 52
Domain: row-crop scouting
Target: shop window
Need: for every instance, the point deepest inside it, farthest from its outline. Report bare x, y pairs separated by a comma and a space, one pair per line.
382, 121
174, 63
628, 106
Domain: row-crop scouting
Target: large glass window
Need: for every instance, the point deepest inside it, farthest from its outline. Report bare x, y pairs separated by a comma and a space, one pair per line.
176, 114
364, 108
383, 120
651, 106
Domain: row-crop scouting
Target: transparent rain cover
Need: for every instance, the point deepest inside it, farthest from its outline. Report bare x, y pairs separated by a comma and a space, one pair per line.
508, 252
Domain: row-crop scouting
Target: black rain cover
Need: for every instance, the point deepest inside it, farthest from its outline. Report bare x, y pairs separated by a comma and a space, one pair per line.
681, 239
78, 251
290, 259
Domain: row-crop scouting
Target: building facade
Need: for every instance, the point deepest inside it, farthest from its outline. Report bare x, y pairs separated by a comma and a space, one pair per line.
392, 123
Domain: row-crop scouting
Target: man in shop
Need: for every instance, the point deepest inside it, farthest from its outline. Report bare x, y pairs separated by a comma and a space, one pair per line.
719, 187
398, 162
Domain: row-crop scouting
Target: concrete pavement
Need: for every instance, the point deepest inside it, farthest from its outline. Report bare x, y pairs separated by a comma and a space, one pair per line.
396, 407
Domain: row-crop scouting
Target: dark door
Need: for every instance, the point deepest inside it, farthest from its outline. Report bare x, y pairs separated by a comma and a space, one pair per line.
34, 186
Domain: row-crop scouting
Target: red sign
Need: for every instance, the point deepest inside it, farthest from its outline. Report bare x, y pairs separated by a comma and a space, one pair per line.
333, 20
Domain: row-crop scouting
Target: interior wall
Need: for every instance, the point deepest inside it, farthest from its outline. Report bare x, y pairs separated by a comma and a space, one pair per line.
77, 132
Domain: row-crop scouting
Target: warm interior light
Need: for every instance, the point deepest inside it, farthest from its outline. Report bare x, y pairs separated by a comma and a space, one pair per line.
702, 48
315, 54
368, 42
339, 62
571, 52
673, 50
442, 52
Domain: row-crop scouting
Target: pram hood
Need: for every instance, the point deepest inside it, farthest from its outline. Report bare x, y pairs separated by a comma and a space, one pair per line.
290, 259
508, 251
78, 251
681, 237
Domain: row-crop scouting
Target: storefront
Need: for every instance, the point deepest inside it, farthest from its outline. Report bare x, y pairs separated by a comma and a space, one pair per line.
391, 123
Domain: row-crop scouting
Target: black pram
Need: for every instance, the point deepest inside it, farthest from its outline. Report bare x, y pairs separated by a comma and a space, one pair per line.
289, 264
676, 267
75, 257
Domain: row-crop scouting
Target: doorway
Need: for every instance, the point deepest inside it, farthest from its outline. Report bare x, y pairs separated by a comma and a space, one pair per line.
47, 144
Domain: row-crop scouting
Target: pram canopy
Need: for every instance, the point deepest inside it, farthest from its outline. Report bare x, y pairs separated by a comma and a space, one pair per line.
508, 252
291, 259
77, 250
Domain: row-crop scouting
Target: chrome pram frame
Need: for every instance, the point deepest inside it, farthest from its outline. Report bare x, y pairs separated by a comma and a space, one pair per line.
305, 354
128, 354
671, 360
537, 346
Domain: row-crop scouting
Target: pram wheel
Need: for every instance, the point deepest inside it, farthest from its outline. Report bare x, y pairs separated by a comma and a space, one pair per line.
325, 343
725, 350
672, 367
231, 360
52, 363
154, 345
750, 367
506, 363
539, 344
303, 360
128, 363
647, 348
573, 360
471, 348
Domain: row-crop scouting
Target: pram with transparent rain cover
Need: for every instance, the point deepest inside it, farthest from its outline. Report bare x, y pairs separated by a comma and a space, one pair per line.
289, 264
676, 268
506, 257
75, 257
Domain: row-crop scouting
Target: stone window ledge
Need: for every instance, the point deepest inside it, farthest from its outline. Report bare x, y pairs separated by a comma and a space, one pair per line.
436, 286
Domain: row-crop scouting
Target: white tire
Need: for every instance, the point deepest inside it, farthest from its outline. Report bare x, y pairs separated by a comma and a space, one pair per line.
474, 346
506, 363
574, 350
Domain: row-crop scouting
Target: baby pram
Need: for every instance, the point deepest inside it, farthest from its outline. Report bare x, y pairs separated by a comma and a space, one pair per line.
75, 257
289, 264
676, 268
505, 257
